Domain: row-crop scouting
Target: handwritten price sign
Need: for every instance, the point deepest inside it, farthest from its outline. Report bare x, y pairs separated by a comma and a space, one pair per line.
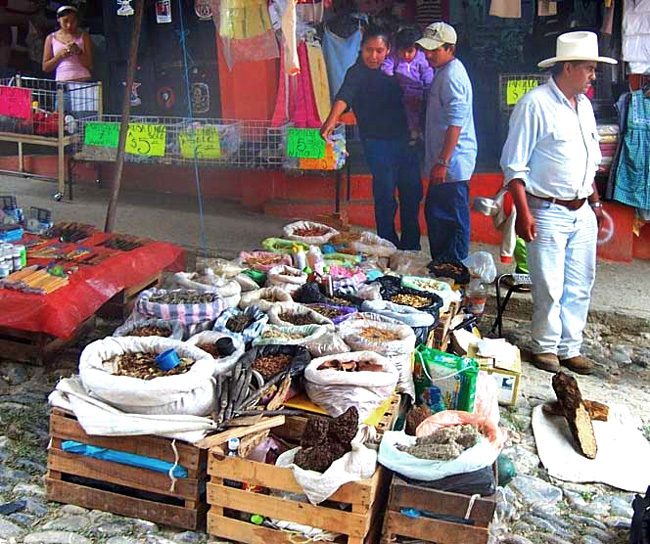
146, 140
102, 134
305, 143
328, 162
518, 88
16, 102
200, 143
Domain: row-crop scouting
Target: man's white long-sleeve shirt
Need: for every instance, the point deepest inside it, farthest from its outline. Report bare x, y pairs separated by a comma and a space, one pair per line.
552, 147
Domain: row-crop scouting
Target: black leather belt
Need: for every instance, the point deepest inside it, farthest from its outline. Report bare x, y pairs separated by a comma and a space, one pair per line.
573, 205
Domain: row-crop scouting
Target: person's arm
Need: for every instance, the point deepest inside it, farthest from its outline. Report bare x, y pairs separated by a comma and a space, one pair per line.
439, 170
50, 60
86, 56
524, 224
388, 66
596, 205
337, 110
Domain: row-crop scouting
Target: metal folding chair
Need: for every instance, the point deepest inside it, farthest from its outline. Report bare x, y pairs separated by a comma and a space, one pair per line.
518, 283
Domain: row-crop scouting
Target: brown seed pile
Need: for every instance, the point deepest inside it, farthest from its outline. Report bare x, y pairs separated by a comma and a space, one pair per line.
296, 318
270, 365
341, 302
373, 334
444, 444
184, 297
324, 441
237, 323
210, 348
326, 311
411, 300
310, 231
282, 335
352, 366
151, 331
143, 365
263, 260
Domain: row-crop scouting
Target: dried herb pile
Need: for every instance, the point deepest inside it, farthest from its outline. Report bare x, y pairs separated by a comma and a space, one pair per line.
444, 444
143, 365
352, 366
411, 300
281, 335
297, 318
324, 441
263, 260
326, 311
270, 365
310, 231
151, 331
239, 322
184, 297
211, 349
373, 334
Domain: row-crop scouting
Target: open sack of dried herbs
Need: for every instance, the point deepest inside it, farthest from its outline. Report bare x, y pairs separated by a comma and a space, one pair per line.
421, 322
390, 339
262, 260
264, 298
318, 339
123, 372
332, 452
164, 328
207, 281
309, 232
244, 324
285, 277
448, 443
289, 314
360, 379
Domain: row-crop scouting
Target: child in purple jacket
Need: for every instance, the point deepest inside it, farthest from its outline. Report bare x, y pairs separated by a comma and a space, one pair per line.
414, 75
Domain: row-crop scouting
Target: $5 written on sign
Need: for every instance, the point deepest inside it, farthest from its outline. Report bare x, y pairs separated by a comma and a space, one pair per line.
141, 139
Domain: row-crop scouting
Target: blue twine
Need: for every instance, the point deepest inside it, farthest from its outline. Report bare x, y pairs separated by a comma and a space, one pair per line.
182, 39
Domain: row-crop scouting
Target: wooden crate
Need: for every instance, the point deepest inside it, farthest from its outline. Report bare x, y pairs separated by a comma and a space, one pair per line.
122, 304
439, 337
295, 425
36, 347
360, 522
121, 489
405, 495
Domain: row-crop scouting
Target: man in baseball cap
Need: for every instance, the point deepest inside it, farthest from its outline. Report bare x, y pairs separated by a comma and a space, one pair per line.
450, 145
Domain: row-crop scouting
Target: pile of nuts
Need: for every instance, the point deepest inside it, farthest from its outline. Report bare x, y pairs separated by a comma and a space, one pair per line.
270, 365
184, 297
296, 318
239, 322
327, 311
411, 300
351, 366
373, 334
151, 331
143, 365
311, 231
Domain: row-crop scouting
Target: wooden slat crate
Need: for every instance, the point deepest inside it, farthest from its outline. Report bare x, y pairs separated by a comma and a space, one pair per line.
360, 522
295, 425
405, 495
122, 304
122, 489
439, 337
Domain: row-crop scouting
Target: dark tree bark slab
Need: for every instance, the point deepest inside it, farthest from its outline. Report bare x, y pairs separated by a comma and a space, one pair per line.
576, 413
597, 410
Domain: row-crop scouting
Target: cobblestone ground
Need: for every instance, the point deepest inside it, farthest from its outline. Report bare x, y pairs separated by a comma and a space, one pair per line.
533, 508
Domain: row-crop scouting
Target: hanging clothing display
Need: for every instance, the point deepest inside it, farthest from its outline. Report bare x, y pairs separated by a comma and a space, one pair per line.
427, 12
292, 65
320, 83
340, 54
240, 19
636, 35
506, 9
632, 178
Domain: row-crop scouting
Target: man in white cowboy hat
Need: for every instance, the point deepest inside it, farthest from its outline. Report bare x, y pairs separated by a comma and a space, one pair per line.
450, 145
549, 161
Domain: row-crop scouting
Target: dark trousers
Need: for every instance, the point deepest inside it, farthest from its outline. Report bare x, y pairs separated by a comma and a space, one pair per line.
447, 212
395, 165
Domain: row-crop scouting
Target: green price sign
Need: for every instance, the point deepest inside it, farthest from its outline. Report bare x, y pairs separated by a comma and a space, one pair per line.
200, 143
102, 134
146, 140
305, 143
517, 88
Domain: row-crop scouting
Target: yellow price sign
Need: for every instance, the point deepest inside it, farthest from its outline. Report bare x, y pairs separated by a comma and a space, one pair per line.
146, 140
517, 88
200, 143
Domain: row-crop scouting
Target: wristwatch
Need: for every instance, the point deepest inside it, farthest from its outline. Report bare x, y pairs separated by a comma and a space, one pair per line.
442, 162
597, 204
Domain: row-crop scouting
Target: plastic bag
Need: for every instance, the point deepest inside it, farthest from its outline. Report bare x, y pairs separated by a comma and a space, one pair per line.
264, 298
337, 390
479, 482
452, 269
300, 357
286, 277
408, 262
280, 245
486, 402
259, 319
309, 293
175, 328
405, 314
229, 290
369, 292
371, 244
190, 393
482, 454
481, 265
640, 529
275, 312
399, 349
444, 381
289, 231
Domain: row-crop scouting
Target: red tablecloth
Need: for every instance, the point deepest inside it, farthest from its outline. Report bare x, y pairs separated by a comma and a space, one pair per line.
61, 312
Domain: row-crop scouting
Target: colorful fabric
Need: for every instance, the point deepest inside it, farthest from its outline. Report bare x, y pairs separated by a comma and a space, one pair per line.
340, 54
320, 83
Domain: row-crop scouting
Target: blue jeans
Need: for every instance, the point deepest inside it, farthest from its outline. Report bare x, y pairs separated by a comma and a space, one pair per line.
447, 212
562, 263
394, 165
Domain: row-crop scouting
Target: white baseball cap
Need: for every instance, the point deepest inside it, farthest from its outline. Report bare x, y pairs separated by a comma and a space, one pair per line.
576, 46
436, 35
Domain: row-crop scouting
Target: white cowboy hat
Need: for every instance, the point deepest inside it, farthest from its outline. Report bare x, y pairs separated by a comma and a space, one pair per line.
576, 46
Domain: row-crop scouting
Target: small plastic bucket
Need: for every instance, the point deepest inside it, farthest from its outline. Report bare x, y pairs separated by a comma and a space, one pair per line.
168, 359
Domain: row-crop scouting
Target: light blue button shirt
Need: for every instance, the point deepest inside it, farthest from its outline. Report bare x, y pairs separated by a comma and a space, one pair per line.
551, 146
450, 103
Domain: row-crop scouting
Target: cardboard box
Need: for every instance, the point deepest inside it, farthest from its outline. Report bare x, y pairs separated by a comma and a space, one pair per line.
506, 373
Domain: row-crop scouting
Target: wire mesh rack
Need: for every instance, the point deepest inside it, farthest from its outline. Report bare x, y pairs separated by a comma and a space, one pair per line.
179, 140
43, 107
513, 86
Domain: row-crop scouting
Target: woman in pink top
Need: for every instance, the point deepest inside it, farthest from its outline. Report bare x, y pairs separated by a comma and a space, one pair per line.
68, 50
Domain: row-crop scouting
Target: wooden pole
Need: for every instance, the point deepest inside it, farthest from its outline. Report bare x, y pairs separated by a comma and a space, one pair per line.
126, 112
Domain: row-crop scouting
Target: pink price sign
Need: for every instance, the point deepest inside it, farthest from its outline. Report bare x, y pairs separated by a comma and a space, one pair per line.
16, 102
